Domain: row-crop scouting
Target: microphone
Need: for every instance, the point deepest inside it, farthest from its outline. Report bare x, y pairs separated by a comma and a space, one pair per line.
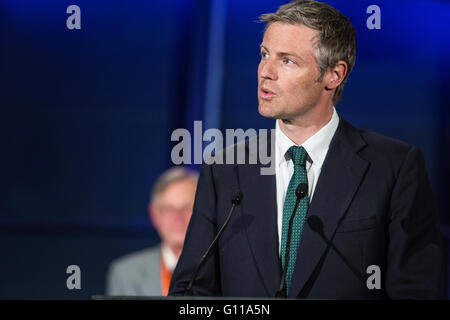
235, 200
316, 225
300, 192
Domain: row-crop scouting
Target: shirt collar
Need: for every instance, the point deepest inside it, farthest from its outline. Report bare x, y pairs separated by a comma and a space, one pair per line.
316, 146
169, 258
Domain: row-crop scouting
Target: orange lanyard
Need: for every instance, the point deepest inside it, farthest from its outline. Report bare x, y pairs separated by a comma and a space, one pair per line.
165, 278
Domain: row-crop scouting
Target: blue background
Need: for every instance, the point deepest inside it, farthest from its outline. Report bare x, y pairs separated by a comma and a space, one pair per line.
86, 115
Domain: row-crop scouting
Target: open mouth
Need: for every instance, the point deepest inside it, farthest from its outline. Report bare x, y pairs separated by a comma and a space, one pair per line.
267, 94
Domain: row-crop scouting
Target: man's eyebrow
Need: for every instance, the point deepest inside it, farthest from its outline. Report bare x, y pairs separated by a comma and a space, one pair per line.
282, 54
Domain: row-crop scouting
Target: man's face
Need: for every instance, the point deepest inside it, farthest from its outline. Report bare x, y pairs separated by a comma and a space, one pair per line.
172, 210
287, 72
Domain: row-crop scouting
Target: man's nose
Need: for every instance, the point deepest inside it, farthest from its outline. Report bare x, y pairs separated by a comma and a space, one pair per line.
268, 70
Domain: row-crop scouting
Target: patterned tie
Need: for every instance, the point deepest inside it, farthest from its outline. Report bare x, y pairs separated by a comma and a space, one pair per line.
298, 156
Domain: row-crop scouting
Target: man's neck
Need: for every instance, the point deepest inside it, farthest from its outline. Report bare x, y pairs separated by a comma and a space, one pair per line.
176, 250
301, 129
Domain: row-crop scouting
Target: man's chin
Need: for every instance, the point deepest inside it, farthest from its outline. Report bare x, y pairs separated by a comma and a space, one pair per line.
267, 112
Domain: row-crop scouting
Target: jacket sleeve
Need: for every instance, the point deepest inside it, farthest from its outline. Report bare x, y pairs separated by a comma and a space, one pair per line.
415, 256
201, 231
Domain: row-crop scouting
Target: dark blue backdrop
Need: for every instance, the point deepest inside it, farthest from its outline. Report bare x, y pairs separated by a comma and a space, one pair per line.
86, 115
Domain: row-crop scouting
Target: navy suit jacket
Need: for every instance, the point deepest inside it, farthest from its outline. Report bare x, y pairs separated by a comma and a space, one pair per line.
374, 201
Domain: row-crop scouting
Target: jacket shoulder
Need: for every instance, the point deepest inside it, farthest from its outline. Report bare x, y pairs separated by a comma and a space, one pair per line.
377, 144
385, 153
137, 259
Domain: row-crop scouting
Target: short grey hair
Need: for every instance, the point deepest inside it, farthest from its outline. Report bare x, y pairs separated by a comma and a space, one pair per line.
171, 176
336, 34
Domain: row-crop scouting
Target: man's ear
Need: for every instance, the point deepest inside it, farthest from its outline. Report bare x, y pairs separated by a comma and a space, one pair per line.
335, 75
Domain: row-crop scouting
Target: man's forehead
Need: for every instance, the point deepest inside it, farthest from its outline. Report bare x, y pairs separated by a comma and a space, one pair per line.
177, 187
287, 35
174, 201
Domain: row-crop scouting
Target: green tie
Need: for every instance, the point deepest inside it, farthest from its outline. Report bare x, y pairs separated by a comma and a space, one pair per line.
298, 156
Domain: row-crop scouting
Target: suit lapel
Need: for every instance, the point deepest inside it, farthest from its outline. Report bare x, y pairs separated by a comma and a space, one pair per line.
340, 177
259, 211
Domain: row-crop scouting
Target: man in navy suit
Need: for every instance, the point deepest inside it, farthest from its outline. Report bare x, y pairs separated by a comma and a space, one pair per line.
365, 228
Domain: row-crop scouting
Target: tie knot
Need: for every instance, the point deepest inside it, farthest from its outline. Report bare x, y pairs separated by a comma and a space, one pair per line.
298, 155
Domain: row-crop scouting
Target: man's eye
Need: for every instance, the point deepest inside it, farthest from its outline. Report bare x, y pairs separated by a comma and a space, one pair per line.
264, 55
288, 61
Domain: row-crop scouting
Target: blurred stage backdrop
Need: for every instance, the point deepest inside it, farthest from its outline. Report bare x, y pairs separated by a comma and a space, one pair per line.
87, 114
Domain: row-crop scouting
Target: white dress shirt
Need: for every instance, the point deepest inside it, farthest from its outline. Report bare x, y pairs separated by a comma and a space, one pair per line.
316, 146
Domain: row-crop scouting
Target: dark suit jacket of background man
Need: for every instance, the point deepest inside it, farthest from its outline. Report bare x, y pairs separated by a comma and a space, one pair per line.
373, 190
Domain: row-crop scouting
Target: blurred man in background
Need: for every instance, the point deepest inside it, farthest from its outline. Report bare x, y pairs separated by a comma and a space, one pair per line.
148, 272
